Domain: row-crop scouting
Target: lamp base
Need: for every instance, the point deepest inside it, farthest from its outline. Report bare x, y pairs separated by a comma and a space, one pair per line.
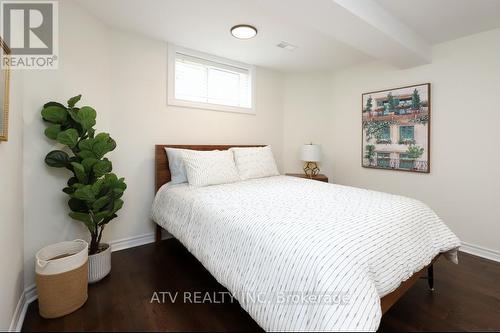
311, 169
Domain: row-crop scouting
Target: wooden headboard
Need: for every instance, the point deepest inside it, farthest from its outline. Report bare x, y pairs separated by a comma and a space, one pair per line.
162, 171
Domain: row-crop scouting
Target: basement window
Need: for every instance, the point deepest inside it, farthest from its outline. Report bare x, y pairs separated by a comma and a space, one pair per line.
200, 80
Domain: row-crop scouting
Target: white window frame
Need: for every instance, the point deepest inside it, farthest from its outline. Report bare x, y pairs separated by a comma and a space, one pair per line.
171, 100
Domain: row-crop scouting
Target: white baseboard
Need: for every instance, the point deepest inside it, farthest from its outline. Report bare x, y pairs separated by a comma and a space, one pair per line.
126, 243
480, 251
29, 294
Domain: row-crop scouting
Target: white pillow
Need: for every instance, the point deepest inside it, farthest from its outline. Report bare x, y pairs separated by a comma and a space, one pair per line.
176, 165
210, 167
255, 162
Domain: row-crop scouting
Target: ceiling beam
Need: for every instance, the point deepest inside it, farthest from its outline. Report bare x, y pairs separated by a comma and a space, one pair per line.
405, 47
362, 24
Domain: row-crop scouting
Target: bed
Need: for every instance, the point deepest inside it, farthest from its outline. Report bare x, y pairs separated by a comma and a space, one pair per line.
301, 255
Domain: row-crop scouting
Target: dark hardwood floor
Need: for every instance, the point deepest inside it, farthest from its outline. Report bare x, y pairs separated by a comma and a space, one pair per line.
467, 298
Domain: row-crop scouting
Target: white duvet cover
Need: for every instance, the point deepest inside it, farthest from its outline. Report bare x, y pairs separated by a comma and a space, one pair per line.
303, 255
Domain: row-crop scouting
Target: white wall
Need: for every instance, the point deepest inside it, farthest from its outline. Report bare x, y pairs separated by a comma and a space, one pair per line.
124, 77
307, 107
11, 208
463, 186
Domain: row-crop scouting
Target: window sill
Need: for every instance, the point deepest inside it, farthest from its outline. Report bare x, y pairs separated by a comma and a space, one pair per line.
208, 106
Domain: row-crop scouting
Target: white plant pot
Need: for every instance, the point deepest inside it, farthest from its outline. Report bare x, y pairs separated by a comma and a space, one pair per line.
100, 263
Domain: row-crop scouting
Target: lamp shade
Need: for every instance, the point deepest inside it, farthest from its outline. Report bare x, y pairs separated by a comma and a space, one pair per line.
310, 153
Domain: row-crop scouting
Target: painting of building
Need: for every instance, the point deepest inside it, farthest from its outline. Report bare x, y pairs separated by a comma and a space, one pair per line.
396, 129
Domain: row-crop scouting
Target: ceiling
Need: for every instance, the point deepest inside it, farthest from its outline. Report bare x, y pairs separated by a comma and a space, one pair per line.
442, 20
330, 34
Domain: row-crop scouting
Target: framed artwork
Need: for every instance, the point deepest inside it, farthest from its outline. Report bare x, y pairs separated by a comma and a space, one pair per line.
396, 129
4, 96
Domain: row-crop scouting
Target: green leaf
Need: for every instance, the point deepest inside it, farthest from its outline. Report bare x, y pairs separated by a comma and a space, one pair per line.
79, 172
46, 105
101, 148
57, 159
91, 132
113, 187
86, 154
85, 218
52, 131
86, 144
72, 181
111, 178
103, 144
102, 215
86, 117
68, 137
102, 167
117, 205
68, 190
97, 186
77, 205
55, 114
112, 144
118, 188
76, 186
73, 100
121, 184
100, 203
76, 125
84, 193
102, 137
88, 163
117, 193
107, 219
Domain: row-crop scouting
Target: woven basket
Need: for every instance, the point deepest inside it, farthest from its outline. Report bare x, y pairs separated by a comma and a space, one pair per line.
62, 278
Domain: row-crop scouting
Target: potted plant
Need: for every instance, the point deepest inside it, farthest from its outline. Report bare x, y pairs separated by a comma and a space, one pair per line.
94, 191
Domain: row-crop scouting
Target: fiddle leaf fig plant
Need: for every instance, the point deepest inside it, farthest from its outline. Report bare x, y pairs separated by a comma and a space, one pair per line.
94, 191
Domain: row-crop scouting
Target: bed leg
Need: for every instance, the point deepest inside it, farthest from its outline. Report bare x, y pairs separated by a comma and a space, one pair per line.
430, 277
158, 234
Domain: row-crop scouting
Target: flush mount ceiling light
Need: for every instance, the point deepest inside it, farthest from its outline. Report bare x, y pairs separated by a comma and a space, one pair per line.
243, 31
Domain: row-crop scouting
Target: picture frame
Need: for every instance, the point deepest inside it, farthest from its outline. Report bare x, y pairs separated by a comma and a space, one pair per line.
4, 95
395, 132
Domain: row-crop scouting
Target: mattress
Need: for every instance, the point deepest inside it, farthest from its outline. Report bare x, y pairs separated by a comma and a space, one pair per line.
302, 255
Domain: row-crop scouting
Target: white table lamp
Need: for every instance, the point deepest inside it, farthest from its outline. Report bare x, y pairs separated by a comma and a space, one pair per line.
311, 154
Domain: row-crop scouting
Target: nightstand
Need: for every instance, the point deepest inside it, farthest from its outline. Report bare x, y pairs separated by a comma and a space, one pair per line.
320, 177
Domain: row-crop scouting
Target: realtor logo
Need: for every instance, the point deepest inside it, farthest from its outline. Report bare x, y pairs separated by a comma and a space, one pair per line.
30, 30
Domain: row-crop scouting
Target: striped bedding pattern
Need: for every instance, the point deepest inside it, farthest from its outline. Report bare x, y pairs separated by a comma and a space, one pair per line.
281, 245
